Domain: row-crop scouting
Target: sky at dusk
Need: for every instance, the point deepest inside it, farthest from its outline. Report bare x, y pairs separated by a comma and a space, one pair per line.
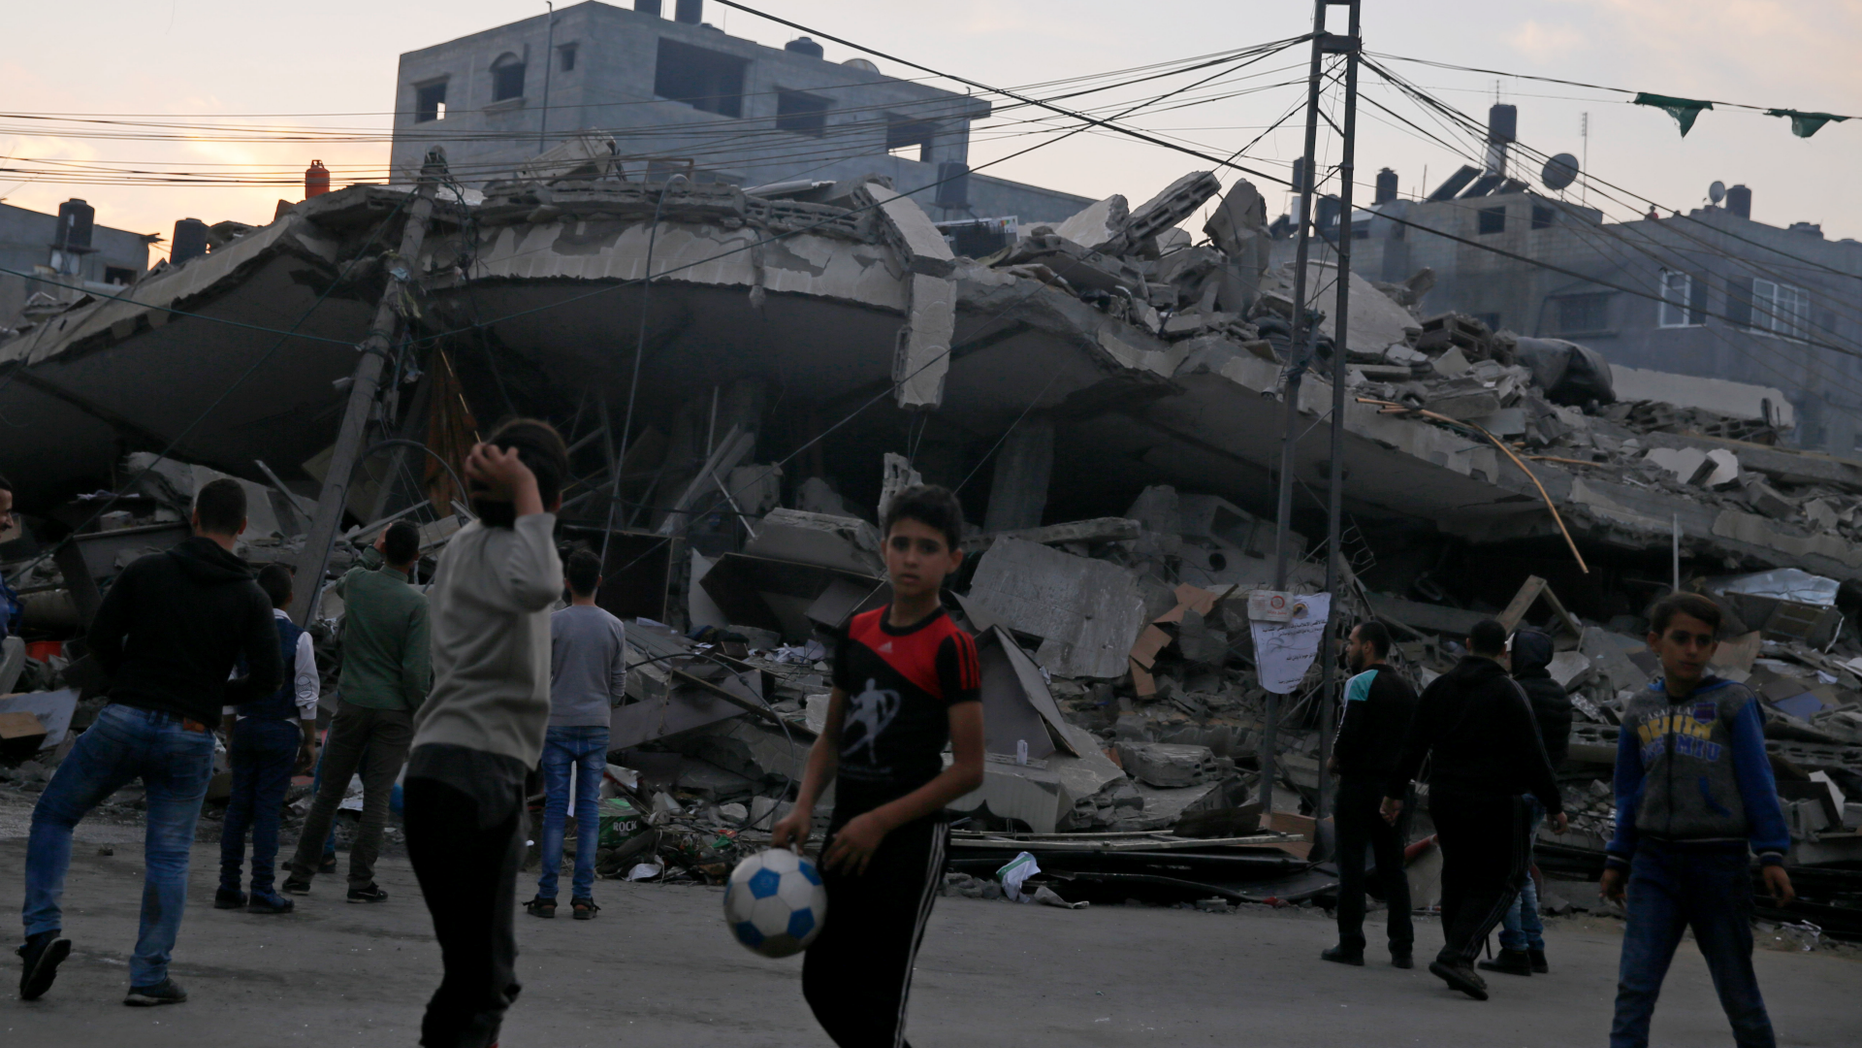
331, 65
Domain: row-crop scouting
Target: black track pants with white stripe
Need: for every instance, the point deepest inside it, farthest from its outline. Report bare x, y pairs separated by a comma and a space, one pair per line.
1484, 840
858, 973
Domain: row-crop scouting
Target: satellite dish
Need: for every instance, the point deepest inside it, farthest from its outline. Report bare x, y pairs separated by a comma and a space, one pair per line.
861, 64
1717, 191
1560, 171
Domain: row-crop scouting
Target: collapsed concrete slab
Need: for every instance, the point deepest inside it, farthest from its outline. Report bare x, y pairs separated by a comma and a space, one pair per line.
1085, 611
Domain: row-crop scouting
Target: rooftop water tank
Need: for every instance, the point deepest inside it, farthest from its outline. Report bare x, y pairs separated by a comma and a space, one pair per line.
190, 240
801, 45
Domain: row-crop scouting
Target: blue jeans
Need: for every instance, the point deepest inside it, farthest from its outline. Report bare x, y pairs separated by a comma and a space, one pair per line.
264, 753
175, 765
586, 750
1520, 927
1672, 889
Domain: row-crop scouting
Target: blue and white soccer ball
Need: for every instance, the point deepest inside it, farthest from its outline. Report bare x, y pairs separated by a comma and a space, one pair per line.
774, 902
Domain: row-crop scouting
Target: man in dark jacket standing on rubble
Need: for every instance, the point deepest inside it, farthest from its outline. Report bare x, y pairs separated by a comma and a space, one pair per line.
1371, 731
1486, 753
1522, 934
169, 633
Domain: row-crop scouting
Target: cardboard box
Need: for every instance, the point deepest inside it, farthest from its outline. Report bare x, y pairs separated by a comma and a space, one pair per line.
21, 735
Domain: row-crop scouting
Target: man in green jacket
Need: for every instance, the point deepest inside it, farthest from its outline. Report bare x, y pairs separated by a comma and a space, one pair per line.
386, 674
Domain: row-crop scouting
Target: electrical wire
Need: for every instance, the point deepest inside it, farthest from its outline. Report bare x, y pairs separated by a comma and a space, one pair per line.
1556, 80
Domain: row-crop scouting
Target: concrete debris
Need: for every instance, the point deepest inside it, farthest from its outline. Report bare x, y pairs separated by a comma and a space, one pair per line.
1123, 385
1166, 765
1084, 611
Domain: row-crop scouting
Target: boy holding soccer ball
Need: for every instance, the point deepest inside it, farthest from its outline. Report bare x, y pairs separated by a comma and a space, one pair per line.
906, 682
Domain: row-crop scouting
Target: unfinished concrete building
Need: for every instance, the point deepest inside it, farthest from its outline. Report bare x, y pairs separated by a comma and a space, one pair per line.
678, 95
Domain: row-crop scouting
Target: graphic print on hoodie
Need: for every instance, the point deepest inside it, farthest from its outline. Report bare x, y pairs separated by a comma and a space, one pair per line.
900, 683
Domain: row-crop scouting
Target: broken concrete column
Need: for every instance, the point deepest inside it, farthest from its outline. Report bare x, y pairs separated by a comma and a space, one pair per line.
899, 476
1018, 489
923, 356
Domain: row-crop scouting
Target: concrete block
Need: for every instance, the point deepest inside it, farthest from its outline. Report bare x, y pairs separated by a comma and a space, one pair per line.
1168, 765
1099, 225
1765, 499
1464, 404
1725, 469
1087, 612
1683, 463
1452, 364
1239, 220
1507, 422
846, 543
911, 232
1176, 202
1570, 669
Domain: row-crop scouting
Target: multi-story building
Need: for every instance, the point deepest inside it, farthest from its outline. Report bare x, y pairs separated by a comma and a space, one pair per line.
60, 255
1711, 294
678, 95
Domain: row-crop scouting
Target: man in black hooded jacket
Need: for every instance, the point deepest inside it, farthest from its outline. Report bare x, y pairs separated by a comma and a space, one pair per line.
1522, 934
1474, 722
170, 632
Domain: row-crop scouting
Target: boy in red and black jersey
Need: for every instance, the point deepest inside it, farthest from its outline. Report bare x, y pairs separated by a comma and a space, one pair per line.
906, 683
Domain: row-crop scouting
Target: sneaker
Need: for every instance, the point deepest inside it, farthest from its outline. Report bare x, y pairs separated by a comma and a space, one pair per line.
1401, 959
1537, 958
295, 885
270, 903
372, 893
165, 992
1460, 977
1509, 962
41, 955
328, 865
541, 907
1343, 955
585, 909
228, 899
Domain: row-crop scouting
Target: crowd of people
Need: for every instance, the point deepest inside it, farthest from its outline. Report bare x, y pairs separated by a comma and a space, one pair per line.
463, 690
1694, 796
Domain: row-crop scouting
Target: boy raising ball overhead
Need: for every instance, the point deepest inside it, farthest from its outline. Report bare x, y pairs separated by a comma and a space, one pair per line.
906, 683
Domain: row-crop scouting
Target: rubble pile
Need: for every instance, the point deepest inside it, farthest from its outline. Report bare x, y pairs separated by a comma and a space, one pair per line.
1125, 381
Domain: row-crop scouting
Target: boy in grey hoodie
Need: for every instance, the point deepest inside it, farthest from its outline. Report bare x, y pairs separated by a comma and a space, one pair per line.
1694, 789
481, 730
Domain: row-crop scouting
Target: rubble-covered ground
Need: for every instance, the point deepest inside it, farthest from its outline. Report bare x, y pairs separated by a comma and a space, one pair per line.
1123, 380
658, 969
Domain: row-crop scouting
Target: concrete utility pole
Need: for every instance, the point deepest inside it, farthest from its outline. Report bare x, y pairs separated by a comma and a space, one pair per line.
362, 393
1349, 45
1301, 351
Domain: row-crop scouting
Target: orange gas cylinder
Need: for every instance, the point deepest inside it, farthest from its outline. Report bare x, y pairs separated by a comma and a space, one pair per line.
316, 179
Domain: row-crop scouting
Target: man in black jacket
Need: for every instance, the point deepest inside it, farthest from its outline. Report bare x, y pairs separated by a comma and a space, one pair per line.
1522, 934
1371, 731
169, 632
1486, 753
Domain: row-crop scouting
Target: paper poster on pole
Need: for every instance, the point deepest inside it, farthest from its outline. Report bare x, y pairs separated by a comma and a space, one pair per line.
1283, 651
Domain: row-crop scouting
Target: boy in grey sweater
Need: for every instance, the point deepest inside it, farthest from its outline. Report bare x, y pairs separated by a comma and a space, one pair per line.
588, 677
481, 730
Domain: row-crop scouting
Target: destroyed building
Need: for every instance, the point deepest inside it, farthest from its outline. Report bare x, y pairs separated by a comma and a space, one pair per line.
1712, 294
1106, 395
